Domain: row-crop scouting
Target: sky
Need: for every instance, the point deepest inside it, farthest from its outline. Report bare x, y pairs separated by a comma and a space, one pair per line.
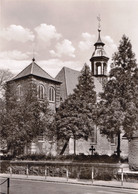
62, 32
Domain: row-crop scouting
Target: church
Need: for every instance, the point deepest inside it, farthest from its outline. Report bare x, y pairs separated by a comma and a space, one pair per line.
57, 89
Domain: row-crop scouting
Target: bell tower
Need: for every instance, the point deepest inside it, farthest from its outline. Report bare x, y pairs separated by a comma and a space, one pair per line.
99, 60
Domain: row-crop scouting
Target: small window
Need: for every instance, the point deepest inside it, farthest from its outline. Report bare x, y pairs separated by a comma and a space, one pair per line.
51, 94
41, 137
41, 92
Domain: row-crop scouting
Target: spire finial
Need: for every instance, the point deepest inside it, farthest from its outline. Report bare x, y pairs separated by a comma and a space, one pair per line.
33, 59
99, 22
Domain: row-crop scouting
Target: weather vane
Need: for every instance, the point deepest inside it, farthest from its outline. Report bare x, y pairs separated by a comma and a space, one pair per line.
99, 20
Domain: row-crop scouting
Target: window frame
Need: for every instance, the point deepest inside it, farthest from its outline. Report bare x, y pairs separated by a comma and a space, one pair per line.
41, 92
19, 91
98, 68
93, 137
41, 137
113, 140
52, 94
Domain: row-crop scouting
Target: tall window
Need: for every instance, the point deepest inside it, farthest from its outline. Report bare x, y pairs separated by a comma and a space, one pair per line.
51, 94
19, 91
94, 136
41, 92
112, 139
98, 69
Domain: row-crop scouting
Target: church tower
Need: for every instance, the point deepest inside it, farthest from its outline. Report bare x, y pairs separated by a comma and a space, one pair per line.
99, 61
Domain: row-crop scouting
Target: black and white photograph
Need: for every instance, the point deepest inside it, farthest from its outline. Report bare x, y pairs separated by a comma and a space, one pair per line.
68, 96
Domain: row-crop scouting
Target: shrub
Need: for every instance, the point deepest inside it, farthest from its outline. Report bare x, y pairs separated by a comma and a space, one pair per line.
124, 160
6, 157
96, 158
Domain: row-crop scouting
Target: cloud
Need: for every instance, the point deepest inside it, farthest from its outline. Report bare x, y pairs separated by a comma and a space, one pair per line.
110, 48
64, 48
87, 42
110, 42
15, 66
52, 52
14, 55
53, 66
17, 33
47, 32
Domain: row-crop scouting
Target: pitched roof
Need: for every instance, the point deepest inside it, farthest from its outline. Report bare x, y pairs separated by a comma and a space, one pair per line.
99, 48
99, 52
69, 79
35, 70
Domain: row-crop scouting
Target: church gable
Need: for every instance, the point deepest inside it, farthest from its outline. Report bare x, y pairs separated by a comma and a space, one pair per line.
35, 70
47, 87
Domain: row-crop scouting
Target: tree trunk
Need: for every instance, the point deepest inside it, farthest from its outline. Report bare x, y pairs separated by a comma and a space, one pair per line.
64, 147
118, 145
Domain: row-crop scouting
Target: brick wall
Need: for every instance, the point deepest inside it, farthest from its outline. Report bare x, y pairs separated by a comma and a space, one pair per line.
45, 146
133, 152
46, 83
102, 146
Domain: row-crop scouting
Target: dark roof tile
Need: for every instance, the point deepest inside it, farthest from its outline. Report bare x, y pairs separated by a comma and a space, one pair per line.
69, 78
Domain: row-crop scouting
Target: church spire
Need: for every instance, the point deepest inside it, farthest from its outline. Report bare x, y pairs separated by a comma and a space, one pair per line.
99, 41
99, 58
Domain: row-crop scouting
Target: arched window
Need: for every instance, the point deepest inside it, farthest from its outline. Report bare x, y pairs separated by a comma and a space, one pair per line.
51, 94
98, 69
19, 91
41, 92
94, 135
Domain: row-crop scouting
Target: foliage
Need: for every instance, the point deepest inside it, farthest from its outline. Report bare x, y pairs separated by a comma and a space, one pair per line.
76, 116
5, 75
32, 157
118, 108
130, 123
23, 119
74, 158
125, 57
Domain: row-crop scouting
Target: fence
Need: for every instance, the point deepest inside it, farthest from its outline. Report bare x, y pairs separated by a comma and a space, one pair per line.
7, 180
68, 171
